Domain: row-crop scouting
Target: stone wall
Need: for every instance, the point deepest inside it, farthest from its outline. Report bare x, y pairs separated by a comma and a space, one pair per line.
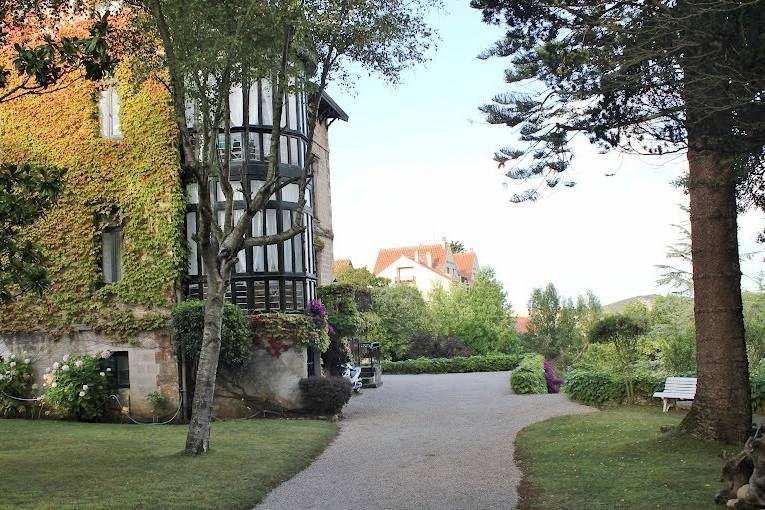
325, 258
266, 382
151, 360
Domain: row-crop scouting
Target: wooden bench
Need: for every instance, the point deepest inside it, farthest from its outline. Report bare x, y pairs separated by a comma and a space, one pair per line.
677, 388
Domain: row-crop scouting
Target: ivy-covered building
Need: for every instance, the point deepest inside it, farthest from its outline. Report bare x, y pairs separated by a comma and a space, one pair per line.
119, 239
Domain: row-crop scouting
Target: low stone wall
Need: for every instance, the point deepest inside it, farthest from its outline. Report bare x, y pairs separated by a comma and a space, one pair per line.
267, 381
151, 360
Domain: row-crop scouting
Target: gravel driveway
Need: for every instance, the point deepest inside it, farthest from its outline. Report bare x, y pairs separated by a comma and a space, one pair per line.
423, 441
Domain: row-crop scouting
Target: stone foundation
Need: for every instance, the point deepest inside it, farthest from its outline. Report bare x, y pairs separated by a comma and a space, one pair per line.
267, 381
151, 360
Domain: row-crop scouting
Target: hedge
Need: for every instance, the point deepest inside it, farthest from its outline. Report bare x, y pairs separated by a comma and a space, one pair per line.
485, 363
596, 387
529, 376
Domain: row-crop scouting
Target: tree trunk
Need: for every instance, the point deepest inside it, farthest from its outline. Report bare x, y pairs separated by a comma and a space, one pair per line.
198, 438
722, 408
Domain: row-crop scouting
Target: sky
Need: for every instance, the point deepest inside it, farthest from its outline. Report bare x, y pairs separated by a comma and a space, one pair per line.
414, 164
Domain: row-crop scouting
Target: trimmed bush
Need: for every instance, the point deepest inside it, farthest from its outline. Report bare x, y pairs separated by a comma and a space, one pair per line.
529, 376
78, 387
597, 387
486, 363
325, 395
236, 336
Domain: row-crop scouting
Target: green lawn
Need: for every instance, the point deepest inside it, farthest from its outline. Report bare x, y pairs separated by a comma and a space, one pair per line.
616, 459
50, 464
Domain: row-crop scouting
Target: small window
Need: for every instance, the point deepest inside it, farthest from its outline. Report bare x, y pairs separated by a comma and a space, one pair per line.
111, 254
109, 113
237, 153
122, 370
405, 274
118, 364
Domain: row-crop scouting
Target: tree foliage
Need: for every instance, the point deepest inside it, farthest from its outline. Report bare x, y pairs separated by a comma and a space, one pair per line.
479, 314
359, 277
42, 54
26, 192
402, 314
552, 324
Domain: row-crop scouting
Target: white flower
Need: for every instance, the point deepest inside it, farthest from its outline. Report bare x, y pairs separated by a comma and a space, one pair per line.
85, 387
2, 377
34, 386
53, 384
13, 356
66, 357
65, 368
56, 365
106, 354
12, 364
103, 374
108, 369
27, 360
82, 393
78, 363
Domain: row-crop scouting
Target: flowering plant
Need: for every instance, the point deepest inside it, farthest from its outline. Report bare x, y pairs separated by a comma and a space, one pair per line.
77, 387
15, 381
552, 380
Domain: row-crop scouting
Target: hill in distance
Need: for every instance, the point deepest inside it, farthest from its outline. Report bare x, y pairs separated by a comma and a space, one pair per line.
619, 306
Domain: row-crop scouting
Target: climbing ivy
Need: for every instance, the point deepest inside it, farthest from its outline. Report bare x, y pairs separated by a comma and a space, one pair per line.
134, 181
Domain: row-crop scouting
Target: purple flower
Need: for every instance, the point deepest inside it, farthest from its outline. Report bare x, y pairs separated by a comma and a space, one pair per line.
331, 329
553, 383
317, 308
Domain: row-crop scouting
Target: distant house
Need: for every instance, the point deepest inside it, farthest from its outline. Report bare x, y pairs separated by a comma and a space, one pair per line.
426, 266
522, 324
342, 263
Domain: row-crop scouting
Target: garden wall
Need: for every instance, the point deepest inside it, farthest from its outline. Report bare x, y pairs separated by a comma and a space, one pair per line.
266, 382
151, 360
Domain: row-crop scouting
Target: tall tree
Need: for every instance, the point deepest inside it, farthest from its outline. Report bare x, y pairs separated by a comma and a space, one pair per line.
552, 322
360, 277
208, 48
651, 77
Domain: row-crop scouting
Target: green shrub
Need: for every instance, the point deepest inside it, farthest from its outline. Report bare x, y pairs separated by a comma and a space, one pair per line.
529, 375
596, 387
757, 381
15, 381
325, 395
78, 388
236, 336
486, 363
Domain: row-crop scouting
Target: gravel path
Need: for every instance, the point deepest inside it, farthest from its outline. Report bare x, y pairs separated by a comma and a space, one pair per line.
423, 441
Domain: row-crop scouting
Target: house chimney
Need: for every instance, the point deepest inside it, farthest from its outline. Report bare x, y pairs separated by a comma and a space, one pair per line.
430, 259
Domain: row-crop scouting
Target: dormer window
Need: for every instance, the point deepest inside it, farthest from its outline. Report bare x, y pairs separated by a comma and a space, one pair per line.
109, 113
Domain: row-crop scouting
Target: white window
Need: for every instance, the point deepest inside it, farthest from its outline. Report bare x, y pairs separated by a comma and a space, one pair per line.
405, 274
109, 113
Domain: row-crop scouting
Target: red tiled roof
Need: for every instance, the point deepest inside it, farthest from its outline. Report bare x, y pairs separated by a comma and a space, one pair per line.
340, 263
465, 262
388, 256
522, 324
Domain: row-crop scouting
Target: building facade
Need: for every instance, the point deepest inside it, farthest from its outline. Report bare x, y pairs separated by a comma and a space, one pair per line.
119, 239
426, 266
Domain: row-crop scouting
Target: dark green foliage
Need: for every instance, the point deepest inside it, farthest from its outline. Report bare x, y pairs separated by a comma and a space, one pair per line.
599, 386
529, 375
26, 192
425, 345
236, 335
757, 382
342, 313
487, 363
555, 325
16, 378
325, 395
402, 313
613, 327
43, 66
